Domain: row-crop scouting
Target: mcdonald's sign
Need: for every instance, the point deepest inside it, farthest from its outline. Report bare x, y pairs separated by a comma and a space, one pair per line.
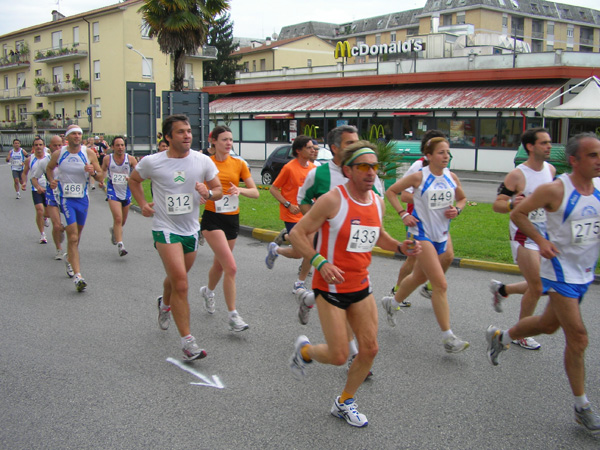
311, 131
343, 49
376, 130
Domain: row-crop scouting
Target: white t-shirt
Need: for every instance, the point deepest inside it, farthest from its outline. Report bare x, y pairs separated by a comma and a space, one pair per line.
176, 201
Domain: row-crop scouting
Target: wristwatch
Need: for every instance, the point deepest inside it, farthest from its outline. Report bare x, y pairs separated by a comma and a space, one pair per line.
458, 211
209, 194
287, 204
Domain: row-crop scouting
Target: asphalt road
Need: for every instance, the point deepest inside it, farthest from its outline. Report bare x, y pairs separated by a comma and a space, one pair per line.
92, 370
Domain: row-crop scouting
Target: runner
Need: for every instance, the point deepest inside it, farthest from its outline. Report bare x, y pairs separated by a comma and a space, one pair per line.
518, 184
341, 281
38, 185
178, 177
17, 158
436, 190
571, 246
52, 206
76, 165
221, 223
118, 166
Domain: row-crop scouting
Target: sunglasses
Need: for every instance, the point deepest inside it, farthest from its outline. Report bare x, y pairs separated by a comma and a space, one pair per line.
364, 167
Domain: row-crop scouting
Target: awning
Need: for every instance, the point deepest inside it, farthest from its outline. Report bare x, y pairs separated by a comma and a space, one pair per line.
522, 96
410, 113
585, 105
274, 116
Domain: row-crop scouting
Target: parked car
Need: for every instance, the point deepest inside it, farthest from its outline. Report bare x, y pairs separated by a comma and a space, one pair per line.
281, 156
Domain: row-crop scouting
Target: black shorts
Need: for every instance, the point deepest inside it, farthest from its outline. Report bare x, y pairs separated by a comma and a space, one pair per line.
345, 299
229, 223
38, 198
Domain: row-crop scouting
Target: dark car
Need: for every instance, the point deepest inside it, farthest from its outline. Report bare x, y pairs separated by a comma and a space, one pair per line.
281, 156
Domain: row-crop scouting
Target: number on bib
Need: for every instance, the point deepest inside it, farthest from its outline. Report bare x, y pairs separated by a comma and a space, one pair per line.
73, 190
585, 231
362, 238
119, 178
179, 204
229, 203
537, 215
440, 198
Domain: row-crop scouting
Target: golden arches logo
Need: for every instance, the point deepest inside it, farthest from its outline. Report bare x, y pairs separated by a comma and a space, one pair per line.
342, 49
376, 130
310, 131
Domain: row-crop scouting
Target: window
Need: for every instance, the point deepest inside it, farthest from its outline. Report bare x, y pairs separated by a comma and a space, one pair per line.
253, 130
96, 70
39, 105
75, 35
19, 45
57, 39
278, 130
549, 47
247, 66
98, 107
37, 38
504, 21
21, 80
22, 112
76, 70
147, 68
460, 132
5, 50
550, 28
377, 39
446, 20
393, 36
96, 31
412, 31
57, 74
59, 108
309, 63
38, 72
460, 18
253, 65
5, 81
263, 64
500, 132
145, 28
78, 108
7, 112
570, 32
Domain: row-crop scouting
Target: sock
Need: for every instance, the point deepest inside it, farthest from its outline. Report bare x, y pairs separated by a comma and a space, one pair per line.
446, 334
304, 353
581, 402
164, 307
233, 313
502, 291
77, 275
299, 281
120, 243
352, 346
505, 338
345, 396
395, 304
209, 291
184, 339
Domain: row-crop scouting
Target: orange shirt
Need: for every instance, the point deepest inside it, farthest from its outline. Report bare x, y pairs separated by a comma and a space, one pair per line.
346, 241
230, 171
290, 179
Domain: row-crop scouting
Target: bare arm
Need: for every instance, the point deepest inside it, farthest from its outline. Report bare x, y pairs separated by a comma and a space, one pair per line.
514, 181
135, 186
215, 188
249, 191
93, 167
460, 200
399, 187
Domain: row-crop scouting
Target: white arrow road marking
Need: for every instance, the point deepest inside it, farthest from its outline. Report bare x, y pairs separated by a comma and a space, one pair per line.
214, 382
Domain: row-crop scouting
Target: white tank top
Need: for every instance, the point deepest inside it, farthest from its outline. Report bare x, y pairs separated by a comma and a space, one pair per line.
117, 176
72, 178
575, 231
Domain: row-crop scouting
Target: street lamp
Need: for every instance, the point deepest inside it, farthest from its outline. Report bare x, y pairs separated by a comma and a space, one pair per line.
130, 47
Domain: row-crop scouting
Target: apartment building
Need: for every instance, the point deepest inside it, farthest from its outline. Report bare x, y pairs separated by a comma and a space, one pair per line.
75, 70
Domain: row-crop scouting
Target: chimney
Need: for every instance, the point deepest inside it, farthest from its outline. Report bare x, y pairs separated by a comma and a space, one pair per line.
57, 16
268, 42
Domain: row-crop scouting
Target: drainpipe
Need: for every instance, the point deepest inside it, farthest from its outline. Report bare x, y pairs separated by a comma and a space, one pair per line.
91, 117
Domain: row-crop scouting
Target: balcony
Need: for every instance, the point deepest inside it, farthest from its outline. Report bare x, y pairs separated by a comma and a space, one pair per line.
12, 94
207, 52
535, 34
11, 62
586, 40
61, 124
65, 52
74, 87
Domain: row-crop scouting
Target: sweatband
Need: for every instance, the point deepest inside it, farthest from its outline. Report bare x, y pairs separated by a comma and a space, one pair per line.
357, 153
317, 261
72, 130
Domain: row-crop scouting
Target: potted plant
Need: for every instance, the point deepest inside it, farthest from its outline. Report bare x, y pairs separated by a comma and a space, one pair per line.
39, 83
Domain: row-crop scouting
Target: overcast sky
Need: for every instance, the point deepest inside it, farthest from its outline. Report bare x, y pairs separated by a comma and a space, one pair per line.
252, 18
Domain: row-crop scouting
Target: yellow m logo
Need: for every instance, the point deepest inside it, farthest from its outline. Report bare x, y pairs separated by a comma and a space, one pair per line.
376, 130
342, 49
310, 131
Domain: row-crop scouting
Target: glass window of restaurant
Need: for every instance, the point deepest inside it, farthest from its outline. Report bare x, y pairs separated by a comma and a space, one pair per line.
376, 128
253, 130
500, 132
234, 126
314, 128
337, 122
461, 132
278, 130
413, 128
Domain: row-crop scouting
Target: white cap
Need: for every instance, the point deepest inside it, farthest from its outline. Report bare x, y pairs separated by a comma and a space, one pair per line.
96, 137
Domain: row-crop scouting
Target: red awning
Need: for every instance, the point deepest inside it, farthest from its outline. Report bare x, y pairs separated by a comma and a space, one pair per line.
408, 113
274, 116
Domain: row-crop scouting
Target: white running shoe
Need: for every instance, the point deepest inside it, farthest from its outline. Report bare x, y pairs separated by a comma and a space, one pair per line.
68, 267
528, 343
271, 255
18, 195
209, 300
237, 324
348, 412
164, 316
425, 292
46, 222
121, 249
453, 344
298, 285
495, 286
390, 311
297, 363
80, 283
588, 419
59, 254
43, 239
191, 351
495, 346
303, 309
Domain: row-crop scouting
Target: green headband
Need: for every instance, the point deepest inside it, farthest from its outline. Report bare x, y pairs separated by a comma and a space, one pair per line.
357, 153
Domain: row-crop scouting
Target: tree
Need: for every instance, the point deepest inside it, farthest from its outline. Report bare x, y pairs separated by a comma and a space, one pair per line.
220, 35
181, 27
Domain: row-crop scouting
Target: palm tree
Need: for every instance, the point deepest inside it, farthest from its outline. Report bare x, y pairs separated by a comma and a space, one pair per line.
181, 27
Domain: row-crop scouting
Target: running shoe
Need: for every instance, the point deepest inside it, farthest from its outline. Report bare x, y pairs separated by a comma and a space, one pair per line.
453, 344
18, 195
93, 187
46, 222
80, 283
271, 255
59, 254
390, 311
43, 239
348, 411
297, 286
495, 347
425, 292
403, 304
528, 343
495, 286
122, 251
112, 236
351, 359
297, 363
588, 418
68, 266
209, 300
201, 239
191, 351
164, 316
304, 309
279, 240
237, 324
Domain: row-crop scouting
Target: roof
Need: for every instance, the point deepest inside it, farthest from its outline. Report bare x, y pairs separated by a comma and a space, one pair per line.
586, 104
518, 96
272, 45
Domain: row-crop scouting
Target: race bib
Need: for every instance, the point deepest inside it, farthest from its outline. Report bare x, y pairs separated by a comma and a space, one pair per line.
537, 216
440, 198
362, 238
73, 190
585, 231
16, 164
179, 204
229, 203
119, 178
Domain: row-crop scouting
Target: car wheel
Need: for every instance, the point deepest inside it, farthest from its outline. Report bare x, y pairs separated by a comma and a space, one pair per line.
267, 177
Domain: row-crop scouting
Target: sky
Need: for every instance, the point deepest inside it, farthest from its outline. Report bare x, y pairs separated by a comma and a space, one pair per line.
252, 18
